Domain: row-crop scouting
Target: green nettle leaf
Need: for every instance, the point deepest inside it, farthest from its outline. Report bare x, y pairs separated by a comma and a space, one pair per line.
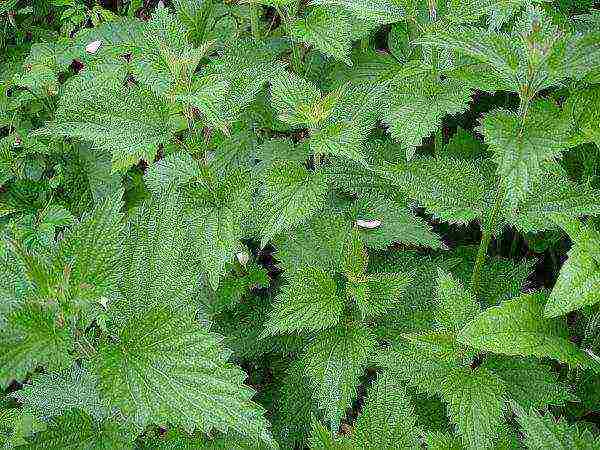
320, 242
528, 382
54, 394
328, 32
348, 126
309, 302
77, 430
164, 57
334, 361
33, 337
129, 121
475, 402
165, 368
207, 97
380, 11
581, 109
519, 327
578, 282
550, 194
423, 361
456, 306
376, 294
395, 224
522, 147
418, 106
261, 224
91, 251
292, 195
156, 267
453, 190
387, 419
294, 99
543, 432
534, 56
218, 214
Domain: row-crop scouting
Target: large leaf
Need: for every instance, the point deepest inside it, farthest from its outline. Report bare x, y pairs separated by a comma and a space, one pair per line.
475, 402
380, 11
334, 362
387, 420
91, 250
33, 337
165, 368
53, 394
528, 382
453, 190
518, 327
578, 282
418, 106
78, 431
325, 30
218, 212
522, 147
456, 306
309, 302
397, 224
128, 121
292, 195
542, 432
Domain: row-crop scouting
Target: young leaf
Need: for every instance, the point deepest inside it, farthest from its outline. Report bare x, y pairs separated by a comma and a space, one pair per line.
294, 99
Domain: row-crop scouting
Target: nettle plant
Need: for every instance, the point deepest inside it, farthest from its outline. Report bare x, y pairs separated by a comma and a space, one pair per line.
334, 224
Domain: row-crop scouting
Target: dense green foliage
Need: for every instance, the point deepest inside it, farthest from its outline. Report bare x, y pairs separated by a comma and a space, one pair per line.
325, 224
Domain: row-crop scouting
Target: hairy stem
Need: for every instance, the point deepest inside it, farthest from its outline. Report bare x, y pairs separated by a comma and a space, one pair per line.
486, 239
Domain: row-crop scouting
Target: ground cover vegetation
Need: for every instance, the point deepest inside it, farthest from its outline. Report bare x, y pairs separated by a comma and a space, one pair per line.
324, 224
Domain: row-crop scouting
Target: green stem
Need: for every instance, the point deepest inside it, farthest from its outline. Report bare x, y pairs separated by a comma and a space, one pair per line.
486, 238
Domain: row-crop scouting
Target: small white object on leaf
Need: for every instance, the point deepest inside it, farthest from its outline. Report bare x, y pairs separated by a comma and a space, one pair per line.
93, 46
104, 302
368, 224
243, 258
